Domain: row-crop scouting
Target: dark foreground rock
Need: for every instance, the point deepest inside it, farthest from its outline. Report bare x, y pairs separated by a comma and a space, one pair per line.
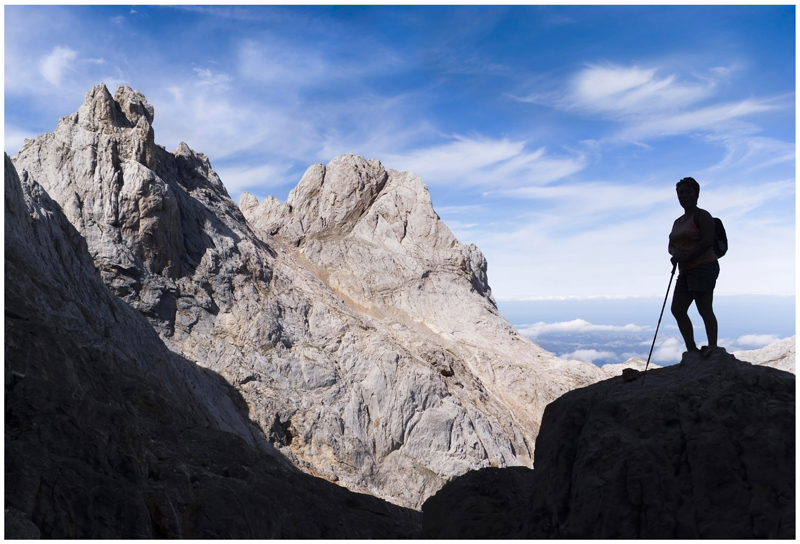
705, 449
108, 434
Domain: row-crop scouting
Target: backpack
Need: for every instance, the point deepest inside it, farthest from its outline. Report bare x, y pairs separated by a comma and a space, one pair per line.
720, 238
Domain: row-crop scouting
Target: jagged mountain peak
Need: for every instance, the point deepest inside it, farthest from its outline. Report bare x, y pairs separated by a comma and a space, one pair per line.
382, 224
356, 197
126, 109
360, 332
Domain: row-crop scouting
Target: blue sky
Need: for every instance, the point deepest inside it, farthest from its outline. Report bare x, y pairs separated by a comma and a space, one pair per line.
550, 136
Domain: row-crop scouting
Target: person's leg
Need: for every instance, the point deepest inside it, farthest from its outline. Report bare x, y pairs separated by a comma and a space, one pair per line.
681, 300
704, 302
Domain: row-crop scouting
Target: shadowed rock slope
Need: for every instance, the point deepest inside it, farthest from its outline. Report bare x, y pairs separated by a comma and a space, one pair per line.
705, 449
108, 434
360, 334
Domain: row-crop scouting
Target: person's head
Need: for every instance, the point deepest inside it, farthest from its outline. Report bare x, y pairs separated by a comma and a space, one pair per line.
689, 183
688, 192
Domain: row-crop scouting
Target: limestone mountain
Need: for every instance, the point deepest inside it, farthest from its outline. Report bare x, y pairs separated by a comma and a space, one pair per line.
360, 334
108, 434
780, 354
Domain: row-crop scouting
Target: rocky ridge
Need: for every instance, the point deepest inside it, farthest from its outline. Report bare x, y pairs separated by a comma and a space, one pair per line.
108, 434
361, 335
704, 449
779, 354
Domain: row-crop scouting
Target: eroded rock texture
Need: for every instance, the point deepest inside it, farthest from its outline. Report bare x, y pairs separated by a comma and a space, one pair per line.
360, 334
780, 354
108, 434
705, 449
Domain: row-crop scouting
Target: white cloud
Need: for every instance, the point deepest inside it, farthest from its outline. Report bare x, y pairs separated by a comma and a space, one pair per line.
575, 326
669, 350
739, 201
648, 106
591, 197
755, 341
747, 153
704, 119
587, 355
222, 125
622, 91
485, 162
54, 65
216, 80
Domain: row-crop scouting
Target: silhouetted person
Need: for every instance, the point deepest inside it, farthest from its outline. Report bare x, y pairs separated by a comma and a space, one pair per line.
690, 244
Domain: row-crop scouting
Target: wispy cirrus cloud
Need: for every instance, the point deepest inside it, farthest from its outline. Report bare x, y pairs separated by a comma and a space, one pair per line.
209, 78
647, 105
56, 64
489, 163
711, 118
620, 92
592, 197
224, 125
750, 153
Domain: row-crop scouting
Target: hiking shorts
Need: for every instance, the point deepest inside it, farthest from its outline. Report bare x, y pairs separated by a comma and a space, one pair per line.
700, 279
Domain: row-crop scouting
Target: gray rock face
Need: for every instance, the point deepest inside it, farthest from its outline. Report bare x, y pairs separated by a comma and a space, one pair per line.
360, 334
108, 434
19, 527
779, 354
705, 449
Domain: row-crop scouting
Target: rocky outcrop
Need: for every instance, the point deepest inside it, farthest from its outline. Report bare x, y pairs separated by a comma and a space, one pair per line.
705, 449
361, 335
108, 434
630, 367
779, 354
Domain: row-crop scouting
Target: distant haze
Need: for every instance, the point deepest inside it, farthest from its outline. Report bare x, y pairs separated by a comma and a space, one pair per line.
603, 331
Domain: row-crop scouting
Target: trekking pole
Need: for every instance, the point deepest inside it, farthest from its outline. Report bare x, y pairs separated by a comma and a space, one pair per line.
659, 321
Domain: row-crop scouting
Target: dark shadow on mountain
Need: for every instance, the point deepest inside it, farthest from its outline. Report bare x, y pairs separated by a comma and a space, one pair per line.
704, 449
94, 450
110, 435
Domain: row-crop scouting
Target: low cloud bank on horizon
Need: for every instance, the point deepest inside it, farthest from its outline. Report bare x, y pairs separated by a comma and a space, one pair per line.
550, 136
606, 344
